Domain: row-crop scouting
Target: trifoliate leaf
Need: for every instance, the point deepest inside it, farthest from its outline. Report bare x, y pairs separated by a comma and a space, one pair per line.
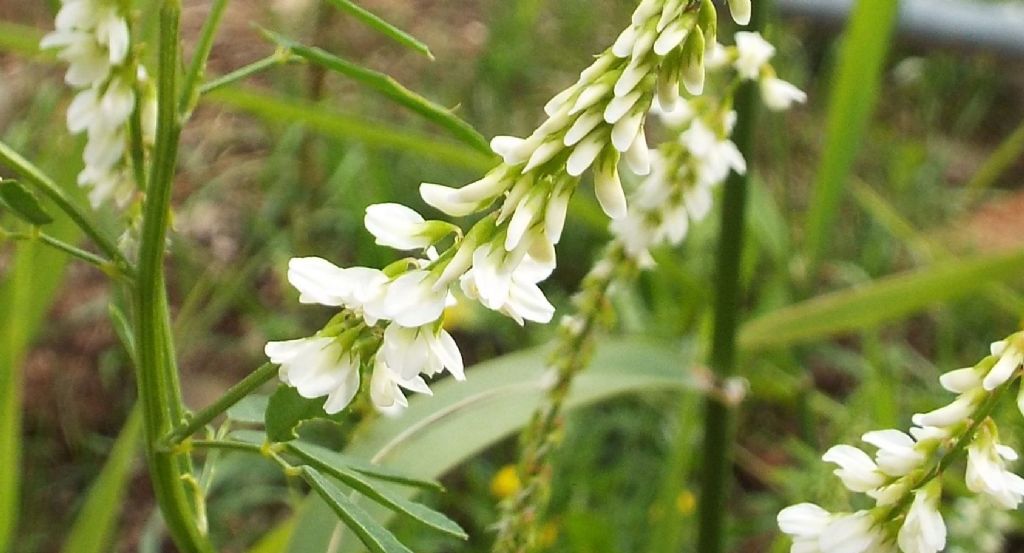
23, 203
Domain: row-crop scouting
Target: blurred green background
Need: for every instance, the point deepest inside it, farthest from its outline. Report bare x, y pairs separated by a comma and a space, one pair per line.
285, 164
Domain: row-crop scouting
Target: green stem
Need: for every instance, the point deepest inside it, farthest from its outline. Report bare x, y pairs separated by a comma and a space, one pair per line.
718, 418
31, 174
281, 56
230, 445
103, 264
190, 91
235, 394
167, 469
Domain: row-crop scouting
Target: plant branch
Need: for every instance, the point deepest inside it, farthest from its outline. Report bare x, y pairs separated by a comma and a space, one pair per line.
45, 185
105, 265
191, 90
718, 417
234, 394
279, 57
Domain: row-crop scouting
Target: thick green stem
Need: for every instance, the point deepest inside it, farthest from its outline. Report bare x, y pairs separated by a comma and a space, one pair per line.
167, 469
235, 394
32, 175
718, 418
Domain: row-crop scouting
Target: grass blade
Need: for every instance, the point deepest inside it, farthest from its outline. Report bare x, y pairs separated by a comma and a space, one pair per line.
851, 102
372, 533
883, 300
349, 127
375, 22
93, 529
388, 87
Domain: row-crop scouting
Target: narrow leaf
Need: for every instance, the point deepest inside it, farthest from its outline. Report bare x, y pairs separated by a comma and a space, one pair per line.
349, 127
373, 21
852, 100
23, 203
388, 87
93, 529
883, 300
373, 535
321, 459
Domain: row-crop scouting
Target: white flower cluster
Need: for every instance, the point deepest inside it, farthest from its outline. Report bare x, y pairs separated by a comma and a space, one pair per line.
392, 320
904, 476
684, 172
92, 36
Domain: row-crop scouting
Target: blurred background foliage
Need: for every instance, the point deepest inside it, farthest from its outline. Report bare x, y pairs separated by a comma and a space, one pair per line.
285, 164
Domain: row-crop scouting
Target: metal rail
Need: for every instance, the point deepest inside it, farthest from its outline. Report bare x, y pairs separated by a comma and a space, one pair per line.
995, 27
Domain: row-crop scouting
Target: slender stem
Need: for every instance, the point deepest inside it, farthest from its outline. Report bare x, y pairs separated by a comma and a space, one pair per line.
279, 57
31, 174
231, 445
190, 91
718, 418
167, 469
102, 263
234, 394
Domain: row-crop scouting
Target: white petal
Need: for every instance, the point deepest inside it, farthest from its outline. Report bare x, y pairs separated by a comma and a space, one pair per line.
584, 154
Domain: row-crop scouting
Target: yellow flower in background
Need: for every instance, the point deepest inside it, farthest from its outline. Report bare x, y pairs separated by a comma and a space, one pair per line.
505, 482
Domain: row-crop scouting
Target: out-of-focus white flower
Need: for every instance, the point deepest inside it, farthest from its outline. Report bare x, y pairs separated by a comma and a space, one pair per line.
753, 51
317, 367
856, 469
986, 469
780, 95
923, 530
805, 523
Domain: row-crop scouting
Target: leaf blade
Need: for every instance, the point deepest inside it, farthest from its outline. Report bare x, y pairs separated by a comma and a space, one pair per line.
23, 203
383, 27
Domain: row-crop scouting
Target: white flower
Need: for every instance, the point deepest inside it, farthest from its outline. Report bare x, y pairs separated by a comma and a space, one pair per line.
397, 226
458, 202
897, 452
1010, 358
923, 530
507, 283
412, 351
986, 472
856, 469
608, 188
753, 51
853, 533
317, 367
961, 380
779, 95
320, 281
386, 386
804, 523
961, 408
411, 300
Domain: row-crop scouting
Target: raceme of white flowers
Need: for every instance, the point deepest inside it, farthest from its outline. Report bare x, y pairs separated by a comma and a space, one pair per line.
904, 477
391, 324
92, 36
685, 172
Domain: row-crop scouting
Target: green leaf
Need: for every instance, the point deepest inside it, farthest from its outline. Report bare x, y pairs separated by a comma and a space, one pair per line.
852, 100
373, 21
286, 410
372, 533
93, 529
349, 127
504, 392
389, 88
882, 300
23, 203
327, 461
250, 410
